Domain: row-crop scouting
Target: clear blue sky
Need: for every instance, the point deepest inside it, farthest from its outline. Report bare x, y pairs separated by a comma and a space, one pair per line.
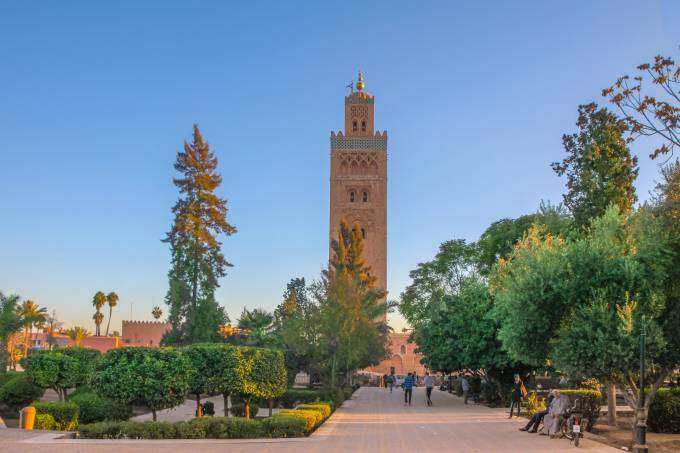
96, 99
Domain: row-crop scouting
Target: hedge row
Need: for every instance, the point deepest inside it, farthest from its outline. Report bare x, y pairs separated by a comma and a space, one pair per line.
664, 412
591, 403
64, 414
198, 428
94, 408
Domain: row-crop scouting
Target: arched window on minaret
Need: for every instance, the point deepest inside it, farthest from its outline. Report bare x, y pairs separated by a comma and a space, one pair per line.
403, 349
363, 126
364, 196
352, 195
354, 125
363, 233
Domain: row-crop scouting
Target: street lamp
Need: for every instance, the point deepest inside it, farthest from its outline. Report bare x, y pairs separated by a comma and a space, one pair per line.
641, 426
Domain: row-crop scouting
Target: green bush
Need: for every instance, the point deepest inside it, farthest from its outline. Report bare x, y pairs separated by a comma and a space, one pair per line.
101, 430
312, 418
45, 422
209, 408
93, 408
292, 397
591, 403
188, 430
210, 427
148, 430
65, 414
284, 426
7, 376
238, 410
664, 412
324, 408
17, 390
243, 428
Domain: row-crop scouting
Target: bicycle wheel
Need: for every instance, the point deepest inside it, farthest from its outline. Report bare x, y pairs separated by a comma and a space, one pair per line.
576, 439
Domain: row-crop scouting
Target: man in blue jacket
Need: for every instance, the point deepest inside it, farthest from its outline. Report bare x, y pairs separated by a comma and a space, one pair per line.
408, 389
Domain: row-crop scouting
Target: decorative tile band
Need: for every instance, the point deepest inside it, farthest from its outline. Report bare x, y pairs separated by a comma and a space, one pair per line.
359, 143
358, 100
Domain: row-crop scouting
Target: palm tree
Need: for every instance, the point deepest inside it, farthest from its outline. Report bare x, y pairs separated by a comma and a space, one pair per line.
156, 312
77, 334
98, 318
10, 323
112, 300
257, 326
52, 325
98, 302
32, 314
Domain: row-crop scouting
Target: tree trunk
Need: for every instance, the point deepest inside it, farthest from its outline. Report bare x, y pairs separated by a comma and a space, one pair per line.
226, 404
25, 341
246, 403
270, 404
611, 403
108, 323
153, 415
199, 413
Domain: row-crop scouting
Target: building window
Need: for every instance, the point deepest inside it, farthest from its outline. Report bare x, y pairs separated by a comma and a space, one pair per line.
363, 126
351, 197
363, 233
354, 125
364, 196
403, 349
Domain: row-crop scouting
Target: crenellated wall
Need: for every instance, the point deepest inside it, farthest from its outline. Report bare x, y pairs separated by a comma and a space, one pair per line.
144, 333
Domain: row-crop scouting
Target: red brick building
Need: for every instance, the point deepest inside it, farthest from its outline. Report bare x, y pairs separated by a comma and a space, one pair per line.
403, 358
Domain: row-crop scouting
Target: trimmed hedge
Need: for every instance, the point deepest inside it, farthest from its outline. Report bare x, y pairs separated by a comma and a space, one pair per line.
94, 408
283, 426
44, 422
198, 428
324, 408
591, 403
17, 390
664, 412
312, 418
65, 414
292, 397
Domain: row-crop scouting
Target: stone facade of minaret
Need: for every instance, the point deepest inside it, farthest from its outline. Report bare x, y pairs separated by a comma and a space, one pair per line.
359, 179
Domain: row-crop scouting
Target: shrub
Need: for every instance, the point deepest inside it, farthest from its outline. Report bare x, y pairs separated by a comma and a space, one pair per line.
243, 428
591, 403
7, 376
209, 408
324, 408
210, 427
147, 430
291, 397
45, 422
238, 410
19, 390
284, 426
94, 408
491, 395
664, 412
65, 414
312, 418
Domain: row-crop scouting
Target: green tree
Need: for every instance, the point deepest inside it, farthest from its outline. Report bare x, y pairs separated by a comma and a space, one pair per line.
264, 376
52, 369
112, 301
599, 168
11, 322
32, 314
353, 333
157, 378
98, 302
206, 361
197, 259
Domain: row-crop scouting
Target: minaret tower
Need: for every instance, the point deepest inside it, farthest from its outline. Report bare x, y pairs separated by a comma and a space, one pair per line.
359, 179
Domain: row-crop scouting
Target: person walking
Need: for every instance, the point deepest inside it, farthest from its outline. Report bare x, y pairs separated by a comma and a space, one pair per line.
390, 381
429, 385
465, 386
518, 392
408, 389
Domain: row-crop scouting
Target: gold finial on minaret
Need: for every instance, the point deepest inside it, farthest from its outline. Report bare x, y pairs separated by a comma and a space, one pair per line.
360, 82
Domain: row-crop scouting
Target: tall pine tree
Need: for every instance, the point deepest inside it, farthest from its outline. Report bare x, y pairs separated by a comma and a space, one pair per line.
197, 259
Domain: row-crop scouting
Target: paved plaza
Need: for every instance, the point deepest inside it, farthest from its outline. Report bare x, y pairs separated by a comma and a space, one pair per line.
372, 421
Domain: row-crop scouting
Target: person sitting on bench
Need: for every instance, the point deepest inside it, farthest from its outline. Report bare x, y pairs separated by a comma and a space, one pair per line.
537, 418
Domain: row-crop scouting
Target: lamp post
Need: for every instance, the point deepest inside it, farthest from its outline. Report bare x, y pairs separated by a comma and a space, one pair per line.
641, 426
